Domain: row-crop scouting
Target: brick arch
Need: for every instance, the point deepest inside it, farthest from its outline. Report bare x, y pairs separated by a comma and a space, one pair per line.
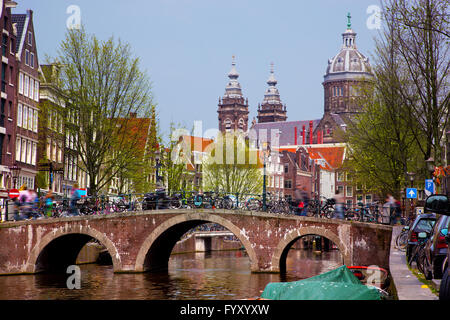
206, 217
295, 234
77, 229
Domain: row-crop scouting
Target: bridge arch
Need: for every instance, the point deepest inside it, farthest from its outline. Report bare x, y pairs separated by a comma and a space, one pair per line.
156, 248
281, 251
77, 236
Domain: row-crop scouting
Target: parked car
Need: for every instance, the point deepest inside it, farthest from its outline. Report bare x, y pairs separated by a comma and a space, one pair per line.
436, 249
440, 204
423, 223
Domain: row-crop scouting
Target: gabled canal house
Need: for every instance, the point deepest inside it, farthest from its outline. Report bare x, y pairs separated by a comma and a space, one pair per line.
8, 97
26, 137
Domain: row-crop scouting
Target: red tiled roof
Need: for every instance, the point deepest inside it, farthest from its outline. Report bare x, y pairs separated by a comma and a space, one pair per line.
333, 156
197, 143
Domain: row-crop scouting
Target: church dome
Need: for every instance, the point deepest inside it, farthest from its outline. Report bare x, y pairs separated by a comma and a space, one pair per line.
349, 63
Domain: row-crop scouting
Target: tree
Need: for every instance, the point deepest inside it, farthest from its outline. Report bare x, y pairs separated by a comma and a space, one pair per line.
103, 88
382, 147
420, 31
232, 167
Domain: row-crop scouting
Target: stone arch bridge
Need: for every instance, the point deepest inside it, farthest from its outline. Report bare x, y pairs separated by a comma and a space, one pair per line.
143, 241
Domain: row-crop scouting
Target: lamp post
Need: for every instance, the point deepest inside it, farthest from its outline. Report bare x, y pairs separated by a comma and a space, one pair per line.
264, 178
15, 171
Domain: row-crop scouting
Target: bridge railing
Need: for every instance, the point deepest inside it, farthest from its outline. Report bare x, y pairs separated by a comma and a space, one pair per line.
160, 200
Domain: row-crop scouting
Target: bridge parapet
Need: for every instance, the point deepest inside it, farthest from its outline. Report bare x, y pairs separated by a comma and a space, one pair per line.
141, 241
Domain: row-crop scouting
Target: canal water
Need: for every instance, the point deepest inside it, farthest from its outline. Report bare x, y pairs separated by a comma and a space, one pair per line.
217, 275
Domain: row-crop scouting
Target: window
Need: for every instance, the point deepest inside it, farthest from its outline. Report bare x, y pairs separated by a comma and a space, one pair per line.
349, 191
32, 60
35, 121
27, 57
30, 119
49, 150
349, 203
368, 198
21, 83
287, 184
31, 88
36, 90
286, 167
30, 38
29, 151
33, 159
54, 152
18, 145
25, 117
23, 151
25, 92
19, 115
340, 189
340, 176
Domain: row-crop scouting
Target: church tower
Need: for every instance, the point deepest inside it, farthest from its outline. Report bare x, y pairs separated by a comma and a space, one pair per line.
271, 109
233, 108
345, 72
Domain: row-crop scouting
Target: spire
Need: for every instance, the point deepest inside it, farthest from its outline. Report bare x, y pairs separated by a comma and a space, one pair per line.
349, 35
272, 95
233, 88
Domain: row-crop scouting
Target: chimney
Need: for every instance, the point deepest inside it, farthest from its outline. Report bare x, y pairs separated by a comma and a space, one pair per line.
295, 135
304, 135
310, 132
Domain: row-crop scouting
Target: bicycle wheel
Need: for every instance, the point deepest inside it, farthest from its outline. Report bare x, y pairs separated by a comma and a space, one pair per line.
402, 241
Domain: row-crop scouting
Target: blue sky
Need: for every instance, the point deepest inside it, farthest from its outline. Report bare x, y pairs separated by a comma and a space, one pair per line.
186, 47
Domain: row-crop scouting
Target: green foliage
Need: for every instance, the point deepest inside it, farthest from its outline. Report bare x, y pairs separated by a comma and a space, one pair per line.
233, 167
102, 86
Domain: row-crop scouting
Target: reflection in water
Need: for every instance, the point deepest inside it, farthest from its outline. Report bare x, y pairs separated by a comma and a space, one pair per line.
217, 275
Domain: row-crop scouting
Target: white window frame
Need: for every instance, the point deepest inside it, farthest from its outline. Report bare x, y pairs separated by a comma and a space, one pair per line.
31, 88
30, 118
19, 115
29, 151
21, 83
23, 157
18, 148
26, 86
349, 194
36, 90
25, 117
33, 158
35, 121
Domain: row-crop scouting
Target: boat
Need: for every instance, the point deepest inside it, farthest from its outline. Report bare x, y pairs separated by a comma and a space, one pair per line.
337, 284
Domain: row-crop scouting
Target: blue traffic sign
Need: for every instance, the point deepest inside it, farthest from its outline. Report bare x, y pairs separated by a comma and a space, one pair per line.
429, 187
411, 193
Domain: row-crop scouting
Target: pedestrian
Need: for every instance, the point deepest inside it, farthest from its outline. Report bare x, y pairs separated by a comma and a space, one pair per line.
390, 200
26, 202
48, 204
298, 202
74, 197
339, 206
305, 199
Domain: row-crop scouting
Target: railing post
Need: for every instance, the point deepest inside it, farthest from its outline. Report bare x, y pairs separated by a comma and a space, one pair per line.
237, 200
